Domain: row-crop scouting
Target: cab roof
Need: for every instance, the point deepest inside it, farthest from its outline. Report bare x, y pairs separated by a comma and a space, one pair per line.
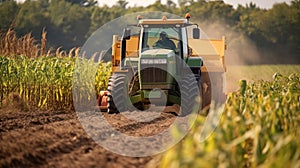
162, 21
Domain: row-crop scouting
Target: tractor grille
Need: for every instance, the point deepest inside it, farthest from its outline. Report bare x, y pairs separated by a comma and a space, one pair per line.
154, 73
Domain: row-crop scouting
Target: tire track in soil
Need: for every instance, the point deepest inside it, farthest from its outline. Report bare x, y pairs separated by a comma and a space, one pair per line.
141, 129
109, 138
57, 139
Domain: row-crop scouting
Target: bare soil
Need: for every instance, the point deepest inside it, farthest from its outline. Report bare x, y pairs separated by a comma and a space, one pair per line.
57, 139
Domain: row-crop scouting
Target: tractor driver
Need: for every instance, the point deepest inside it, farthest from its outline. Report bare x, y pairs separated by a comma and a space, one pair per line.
165, 42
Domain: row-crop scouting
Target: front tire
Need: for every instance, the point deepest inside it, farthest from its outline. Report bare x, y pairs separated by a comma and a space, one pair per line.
118, 87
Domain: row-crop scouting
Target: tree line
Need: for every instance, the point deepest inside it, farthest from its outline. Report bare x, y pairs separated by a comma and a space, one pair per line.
274, 32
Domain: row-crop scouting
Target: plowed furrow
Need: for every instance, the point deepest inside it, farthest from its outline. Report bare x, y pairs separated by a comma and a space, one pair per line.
26, 121
34, 145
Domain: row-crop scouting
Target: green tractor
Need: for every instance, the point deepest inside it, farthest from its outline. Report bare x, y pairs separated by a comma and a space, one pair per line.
155, 65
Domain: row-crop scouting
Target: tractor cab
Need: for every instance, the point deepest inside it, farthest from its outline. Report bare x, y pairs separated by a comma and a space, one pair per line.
171, 34
166, 34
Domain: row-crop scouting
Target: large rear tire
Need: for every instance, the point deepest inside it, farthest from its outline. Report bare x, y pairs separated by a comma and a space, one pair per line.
118, 88
207, 92
189, 95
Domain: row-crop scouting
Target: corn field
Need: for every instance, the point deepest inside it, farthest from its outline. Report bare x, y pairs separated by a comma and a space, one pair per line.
259, 128
44, 82
41, 77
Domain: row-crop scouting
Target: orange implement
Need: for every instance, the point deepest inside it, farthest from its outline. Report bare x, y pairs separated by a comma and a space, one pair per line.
102, 100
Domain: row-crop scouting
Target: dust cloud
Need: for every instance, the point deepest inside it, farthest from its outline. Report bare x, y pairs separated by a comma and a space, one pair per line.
240, 50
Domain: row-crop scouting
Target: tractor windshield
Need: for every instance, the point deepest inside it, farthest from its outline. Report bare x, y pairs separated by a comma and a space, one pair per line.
167, 38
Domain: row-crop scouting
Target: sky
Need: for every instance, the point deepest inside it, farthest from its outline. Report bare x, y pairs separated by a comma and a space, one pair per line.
260, 3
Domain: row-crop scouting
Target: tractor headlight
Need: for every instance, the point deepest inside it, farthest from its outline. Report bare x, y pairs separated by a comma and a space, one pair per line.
154, 61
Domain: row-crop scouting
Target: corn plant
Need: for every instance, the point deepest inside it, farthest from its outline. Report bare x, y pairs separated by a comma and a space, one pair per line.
259, 128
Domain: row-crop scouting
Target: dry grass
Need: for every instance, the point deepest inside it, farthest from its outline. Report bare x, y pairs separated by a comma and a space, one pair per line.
11, 46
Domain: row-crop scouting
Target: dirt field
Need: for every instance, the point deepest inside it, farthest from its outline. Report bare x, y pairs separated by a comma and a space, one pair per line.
57, 139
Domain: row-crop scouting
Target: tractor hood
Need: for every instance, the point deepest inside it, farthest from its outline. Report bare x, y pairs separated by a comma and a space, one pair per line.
157, 68
157, 53
152, 57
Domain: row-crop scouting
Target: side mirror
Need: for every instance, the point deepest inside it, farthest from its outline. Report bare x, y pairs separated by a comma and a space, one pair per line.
196, 33
126, 34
